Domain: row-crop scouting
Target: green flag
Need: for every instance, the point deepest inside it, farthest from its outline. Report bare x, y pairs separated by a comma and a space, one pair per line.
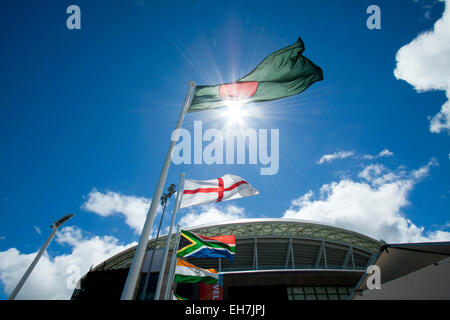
284, 73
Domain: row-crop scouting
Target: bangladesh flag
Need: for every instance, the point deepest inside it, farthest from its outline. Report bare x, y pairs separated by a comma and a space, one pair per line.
284, 73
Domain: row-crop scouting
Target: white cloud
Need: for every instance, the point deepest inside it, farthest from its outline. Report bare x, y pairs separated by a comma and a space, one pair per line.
378, 175
346, 154
50, 277
209, 214
372, 206
384, 153
425, 170
38, 230
372, 172
425, 64
133, 208
336, 155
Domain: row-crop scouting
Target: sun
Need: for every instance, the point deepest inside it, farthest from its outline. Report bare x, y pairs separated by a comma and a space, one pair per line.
234, 113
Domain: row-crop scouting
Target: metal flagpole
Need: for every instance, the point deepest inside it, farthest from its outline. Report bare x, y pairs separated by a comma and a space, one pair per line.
169, 235
136, 264
27, 273
172, 265
164, 200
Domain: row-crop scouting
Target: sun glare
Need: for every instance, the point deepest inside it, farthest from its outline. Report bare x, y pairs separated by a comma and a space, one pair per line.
234, 113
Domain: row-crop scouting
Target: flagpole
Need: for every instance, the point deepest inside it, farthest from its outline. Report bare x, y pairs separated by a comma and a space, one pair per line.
155, 241
136, 265
169, 235
172, 265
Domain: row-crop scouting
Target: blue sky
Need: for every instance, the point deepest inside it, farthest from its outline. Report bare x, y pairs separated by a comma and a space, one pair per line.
86, 117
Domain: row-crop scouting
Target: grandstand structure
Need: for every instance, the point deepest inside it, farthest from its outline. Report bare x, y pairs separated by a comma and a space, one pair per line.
281, 258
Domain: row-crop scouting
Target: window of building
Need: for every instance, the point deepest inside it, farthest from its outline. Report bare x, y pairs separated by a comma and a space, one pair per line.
318, 293
296, 293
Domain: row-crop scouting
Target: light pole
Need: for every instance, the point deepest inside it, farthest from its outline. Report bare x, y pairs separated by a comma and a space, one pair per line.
55, 227
164, 199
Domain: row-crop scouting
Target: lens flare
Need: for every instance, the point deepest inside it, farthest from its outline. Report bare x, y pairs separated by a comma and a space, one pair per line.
235, 113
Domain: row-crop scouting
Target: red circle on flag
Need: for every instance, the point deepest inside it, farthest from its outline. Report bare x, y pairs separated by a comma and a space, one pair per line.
238, 90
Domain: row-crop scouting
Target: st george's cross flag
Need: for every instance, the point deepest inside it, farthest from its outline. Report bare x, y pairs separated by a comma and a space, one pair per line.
284, 73
216, 190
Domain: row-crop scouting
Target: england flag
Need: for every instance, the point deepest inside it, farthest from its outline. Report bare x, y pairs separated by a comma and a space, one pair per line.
216, 190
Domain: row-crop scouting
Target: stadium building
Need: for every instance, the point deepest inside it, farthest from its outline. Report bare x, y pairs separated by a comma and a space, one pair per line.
277, 258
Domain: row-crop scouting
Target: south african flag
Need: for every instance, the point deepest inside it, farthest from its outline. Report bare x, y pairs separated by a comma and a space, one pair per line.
177, 297
198, 246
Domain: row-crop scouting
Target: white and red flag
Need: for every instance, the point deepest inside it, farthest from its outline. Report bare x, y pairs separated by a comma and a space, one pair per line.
216, 190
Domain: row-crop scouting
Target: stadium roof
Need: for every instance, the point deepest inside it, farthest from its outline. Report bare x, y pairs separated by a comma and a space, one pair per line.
403, 259
263, 228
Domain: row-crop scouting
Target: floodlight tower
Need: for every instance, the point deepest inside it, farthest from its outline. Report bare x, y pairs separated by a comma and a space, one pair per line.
55, 225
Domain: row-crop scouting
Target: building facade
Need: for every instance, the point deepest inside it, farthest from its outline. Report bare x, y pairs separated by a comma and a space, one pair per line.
280, 259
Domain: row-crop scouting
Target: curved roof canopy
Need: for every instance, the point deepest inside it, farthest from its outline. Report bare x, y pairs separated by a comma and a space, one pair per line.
263, 228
